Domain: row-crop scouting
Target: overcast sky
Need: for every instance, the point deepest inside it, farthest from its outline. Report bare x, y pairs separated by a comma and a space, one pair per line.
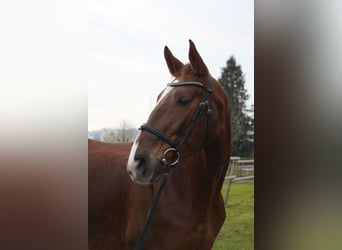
126, 67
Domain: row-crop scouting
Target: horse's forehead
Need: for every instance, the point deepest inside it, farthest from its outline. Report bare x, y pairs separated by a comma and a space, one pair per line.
165, 92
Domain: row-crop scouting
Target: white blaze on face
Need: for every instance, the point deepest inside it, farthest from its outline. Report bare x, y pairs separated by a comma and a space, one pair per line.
132, 153
166, 91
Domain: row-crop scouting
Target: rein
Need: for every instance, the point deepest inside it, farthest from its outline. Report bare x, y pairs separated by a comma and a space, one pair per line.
140, 243
174, 148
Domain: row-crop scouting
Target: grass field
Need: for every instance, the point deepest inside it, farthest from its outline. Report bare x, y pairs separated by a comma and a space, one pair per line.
237, 233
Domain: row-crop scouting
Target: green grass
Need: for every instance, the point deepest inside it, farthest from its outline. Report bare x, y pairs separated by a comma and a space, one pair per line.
237, 232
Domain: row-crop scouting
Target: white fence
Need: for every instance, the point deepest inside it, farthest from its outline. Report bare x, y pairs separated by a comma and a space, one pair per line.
238, 170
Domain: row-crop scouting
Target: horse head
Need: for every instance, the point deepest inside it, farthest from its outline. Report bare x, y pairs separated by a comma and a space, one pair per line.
190, 113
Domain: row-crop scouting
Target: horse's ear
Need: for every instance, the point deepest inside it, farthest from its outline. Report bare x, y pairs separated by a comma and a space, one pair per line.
196, 61
173, 63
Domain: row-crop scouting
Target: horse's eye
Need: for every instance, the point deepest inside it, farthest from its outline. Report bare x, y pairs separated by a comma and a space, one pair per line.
183, 101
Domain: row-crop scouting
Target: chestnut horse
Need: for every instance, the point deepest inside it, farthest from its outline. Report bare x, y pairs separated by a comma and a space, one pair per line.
190, 127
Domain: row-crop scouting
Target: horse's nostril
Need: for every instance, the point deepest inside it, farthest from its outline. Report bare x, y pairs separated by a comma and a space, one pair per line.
141, 161
141, 166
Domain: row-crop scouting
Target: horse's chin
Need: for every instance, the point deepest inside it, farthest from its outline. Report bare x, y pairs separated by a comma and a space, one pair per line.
157, 172
140, 179
155, 179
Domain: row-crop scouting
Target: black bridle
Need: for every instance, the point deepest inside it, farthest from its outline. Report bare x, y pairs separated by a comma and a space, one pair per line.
203, 106
175, 147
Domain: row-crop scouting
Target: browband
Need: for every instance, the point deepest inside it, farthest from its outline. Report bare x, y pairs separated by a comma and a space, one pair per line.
198, 84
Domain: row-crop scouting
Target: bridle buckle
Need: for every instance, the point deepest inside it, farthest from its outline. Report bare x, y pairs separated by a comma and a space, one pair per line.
175, 157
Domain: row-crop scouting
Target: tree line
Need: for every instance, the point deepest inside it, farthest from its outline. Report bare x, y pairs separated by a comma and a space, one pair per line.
124, 133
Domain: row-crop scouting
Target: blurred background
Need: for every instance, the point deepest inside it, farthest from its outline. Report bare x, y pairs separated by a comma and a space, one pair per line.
297, 128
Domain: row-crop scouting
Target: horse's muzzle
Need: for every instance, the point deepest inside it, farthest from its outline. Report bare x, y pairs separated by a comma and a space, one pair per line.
142, 171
